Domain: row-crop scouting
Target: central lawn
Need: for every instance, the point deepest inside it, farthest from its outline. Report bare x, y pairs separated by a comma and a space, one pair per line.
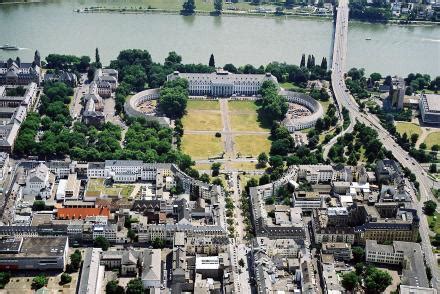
408, 128
432, 139
202, 105
201, 146
246, 122
202, 121
97, 185
251, 145
242, 106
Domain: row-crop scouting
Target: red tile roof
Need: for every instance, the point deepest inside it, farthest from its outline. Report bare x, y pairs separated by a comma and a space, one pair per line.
81, 213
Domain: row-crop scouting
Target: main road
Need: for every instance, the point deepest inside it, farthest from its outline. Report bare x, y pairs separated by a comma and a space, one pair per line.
344, 99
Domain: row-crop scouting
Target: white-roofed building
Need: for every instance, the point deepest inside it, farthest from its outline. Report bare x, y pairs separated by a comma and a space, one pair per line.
430, 108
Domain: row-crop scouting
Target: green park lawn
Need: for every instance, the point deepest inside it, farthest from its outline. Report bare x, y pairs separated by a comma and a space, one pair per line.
432, 139
291, 87
246, 122
97, 185
325, 104
408, 128
203, 105
251, 145
242, 106
202, 121
434, 222
201, 146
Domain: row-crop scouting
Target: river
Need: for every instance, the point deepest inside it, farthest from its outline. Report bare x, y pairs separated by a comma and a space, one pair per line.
53, 27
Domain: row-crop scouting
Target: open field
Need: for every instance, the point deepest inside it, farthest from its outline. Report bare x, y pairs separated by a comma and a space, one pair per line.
97, 185
202, 105
253, 145
408, 128
242, 106
246, 122
244, 166
201, 146
432, 139
202, 121
202, 166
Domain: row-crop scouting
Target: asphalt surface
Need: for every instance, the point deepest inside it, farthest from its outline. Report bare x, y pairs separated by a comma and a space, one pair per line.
345, 100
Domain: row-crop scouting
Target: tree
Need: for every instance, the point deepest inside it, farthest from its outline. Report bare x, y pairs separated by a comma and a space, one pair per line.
422, 146
429, 207
211, 61
218, 182
39, 205
205, 178
241, 262
189, 6
131, 234
215, 167
324, 63
265, 179
4, 279
262, 159
414, 138
75, 259
358, 254
65, 278
135, 286
433, 168
303, 61
230, 68
276, 161
375, 77
101, 242
218, 6
39, 281
350, 281
158, 243
113, 287
173, 59
376, 281
97, 59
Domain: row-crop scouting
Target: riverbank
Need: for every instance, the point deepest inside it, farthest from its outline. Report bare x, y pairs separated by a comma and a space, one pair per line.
6, 2
247, 14
201, 12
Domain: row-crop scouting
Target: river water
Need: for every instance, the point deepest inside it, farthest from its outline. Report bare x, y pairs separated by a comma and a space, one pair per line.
53, 27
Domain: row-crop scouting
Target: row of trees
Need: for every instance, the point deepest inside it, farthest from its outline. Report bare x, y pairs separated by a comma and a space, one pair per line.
134, 286
189, 6
273, 106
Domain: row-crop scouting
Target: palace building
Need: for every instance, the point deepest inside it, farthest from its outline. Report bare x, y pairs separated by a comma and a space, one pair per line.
222, 83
